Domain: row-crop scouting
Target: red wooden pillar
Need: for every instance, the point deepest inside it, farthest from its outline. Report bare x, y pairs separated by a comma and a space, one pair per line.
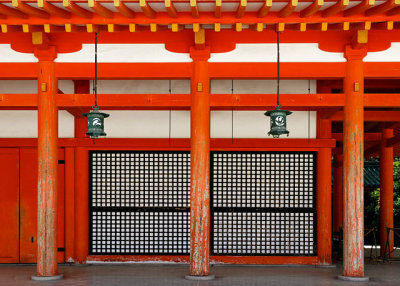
338, 194
324, 197
200, 166
386, 196
353, 164
47, 167
81, 183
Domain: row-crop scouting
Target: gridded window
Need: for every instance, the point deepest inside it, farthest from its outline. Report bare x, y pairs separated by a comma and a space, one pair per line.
263, 203
139, 202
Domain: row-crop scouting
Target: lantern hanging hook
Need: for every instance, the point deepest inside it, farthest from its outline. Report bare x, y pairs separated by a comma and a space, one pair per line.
278, 79
95, 106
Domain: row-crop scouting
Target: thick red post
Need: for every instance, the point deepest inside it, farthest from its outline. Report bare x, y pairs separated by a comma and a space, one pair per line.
338, 193
324, 197
200, 166
353, 164
386, 196
81, 183
47, 167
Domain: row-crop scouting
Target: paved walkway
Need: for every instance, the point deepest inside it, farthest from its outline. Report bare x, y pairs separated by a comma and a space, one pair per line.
172, 274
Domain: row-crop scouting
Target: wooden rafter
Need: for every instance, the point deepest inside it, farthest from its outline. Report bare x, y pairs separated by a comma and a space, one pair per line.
312, 9
241, 8
194, 8
264, 8
288, 9
382, 8
171, 10
393, 12
147, 10
8, 11
360, 8
100, 9
73, 28
53, 10
77, 10
29, 10
217, 8
123, 9
336, 8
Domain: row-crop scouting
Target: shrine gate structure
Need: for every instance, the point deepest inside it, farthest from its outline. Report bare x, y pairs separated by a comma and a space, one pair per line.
187, 172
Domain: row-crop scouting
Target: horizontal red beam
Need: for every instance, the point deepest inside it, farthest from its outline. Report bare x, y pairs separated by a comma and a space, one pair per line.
177, 144
373, 116
163, 18
367, 136
217, 101
183, 70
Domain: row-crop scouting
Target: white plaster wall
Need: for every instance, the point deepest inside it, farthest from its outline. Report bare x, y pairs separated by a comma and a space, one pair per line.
141, 86
24, 124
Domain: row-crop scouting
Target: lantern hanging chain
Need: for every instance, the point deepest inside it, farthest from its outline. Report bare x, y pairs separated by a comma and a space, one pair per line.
170, 111
95, 106
278, 105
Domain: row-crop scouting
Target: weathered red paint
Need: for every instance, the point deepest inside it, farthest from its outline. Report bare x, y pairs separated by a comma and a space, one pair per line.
353, 149
69, 204
338, 193
81, 204
324, 199
48, 164
386, 195
200, 165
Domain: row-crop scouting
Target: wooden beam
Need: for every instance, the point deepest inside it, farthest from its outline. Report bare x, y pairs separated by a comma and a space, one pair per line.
367, 136
53, 10
373, 116
77, 10
147, 10
336, 8
360, 8
170, 7
288, 9
241, 9
29, 10
194, 8
8, 11
393, 141
217, 8
99, 9
382, 8
312, 9
123, 9
264, 8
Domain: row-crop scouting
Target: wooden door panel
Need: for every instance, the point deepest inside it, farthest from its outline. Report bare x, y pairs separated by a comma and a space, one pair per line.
9, 200
28, 206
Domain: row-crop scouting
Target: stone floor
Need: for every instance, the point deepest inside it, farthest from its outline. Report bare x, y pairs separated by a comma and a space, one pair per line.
172, 274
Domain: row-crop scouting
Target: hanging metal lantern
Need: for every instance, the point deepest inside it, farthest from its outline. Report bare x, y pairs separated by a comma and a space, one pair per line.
278, 116
278, 122
95, 120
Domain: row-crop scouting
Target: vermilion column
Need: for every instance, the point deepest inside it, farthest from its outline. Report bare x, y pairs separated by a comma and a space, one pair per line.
200, 165
81, 183
353, 164
338, 194
386, 195
48, 166
324, 201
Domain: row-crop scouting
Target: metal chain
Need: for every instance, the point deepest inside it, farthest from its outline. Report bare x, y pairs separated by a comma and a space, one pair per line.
95, 106
278, 105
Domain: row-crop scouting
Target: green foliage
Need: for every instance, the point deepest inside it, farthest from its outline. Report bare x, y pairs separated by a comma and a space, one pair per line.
372, 201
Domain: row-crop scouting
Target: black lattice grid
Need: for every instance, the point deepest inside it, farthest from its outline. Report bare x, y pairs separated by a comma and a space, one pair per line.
139, 202
263, 203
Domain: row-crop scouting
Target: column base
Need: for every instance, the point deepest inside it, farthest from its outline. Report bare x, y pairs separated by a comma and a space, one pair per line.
47, 278
353, 279
200, 278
